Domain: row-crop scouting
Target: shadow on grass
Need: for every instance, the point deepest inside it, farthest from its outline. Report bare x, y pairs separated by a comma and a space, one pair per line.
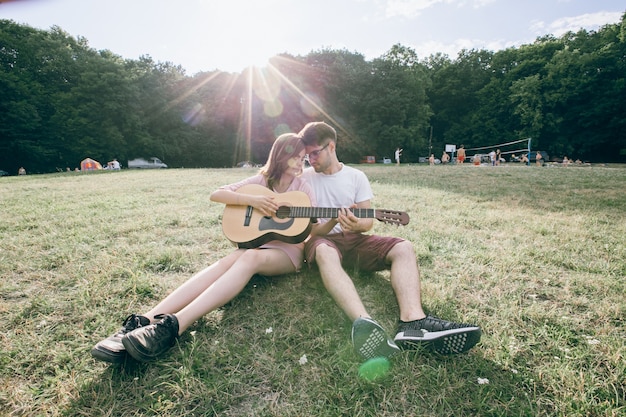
282, 348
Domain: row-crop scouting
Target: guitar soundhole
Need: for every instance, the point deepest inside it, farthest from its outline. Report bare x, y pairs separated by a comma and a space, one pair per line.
283, 212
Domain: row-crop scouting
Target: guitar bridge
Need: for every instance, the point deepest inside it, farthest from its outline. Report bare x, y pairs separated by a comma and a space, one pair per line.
248, 216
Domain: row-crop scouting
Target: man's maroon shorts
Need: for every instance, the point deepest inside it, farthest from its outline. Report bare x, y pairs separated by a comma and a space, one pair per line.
366, 252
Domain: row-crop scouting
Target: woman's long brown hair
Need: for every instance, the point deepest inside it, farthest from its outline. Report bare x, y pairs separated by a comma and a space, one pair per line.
285, 147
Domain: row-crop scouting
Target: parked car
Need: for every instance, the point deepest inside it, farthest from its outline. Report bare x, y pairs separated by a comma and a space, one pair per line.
140, 163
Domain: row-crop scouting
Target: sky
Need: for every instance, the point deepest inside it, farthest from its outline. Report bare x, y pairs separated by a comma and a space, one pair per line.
231, 35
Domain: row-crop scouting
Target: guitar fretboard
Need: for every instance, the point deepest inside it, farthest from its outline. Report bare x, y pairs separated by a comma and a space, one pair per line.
328, 212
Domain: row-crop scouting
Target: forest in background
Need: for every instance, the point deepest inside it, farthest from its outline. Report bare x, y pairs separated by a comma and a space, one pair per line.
62, 101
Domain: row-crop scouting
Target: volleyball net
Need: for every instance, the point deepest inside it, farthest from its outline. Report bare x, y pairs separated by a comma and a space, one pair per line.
508, 150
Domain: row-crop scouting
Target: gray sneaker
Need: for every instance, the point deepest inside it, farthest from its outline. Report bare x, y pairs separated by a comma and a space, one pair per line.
111, 349
370, 340
438, 335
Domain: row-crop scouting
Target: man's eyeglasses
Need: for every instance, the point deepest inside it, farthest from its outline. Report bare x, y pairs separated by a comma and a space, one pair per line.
315, 154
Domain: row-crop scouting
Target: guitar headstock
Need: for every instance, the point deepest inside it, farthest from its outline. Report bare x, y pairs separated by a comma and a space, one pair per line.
392, 217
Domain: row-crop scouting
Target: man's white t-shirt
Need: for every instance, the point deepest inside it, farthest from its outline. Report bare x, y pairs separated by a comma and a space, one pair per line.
344, 188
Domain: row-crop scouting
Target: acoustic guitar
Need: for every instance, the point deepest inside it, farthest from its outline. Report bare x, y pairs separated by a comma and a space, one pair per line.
248, 228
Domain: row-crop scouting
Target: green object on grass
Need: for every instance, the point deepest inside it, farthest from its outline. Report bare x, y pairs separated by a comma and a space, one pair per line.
374, 368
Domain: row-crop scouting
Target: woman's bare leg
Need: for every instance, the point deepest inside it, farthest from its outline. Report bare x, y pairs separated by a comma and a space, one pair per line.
194, 286
230, 283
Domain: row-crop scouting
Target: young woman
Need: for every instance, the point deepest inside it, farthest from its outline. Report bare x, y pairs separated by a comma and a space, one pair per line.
148, 336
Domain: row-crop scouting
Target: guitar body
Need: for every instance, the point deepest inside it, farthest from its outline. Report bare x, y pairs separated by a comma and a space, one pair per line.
248, 228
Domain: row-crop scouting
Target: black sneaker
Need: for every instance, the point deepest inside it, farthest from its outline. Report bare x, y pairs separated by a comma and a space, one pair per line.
370, 340
149, 343
111, 349
438, 335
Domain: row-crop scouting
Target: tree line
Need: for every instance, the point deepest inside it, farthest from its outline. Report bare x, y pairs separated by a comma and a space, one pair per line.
62, 101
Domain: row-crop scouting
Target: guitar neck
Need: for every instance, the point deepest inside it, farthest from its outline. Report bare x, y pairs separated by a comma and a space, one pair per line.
328, 213
383, 215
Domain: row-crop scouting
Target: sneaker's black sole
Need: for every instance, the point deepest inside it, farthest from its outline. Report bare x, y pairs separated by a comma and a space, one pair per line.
447, 344
108, 356
370, 340
136, 354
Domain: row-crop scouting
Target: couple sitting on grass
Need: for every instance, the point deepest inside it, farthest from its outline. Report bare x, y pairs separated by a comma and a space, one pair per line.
334, 244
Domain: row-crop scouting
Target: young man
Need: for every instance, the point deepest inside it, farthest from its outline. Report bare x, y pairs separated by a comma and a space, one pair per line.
346, 245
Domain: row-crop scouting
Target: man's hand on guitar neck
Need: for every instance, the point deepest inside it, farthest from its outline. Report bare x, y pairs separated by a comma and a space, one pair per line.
350, 223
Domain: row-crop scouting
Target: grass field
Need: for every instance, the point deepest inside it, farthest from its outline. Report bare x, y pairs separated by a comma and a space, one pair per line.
536, 256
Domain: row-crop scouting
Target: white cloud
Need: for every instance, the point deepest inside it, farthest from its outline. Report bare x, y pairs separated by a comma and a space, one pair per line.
589, 21
452, 49
408, 8
482, 3
413, 8
537, 27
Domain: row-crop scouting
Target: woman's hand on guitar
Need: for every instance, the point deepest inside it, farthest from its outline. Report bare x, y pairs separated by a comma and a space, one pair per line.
265, 204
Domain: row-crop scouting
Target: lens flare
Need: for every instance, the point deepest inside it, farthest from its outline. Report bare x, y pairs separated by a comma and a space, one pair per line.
273, 108
195, 115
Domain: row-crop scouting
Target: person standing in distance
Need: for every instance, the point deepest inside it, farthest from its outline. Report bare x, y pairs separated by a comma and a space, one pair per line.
460, 154
397, 155
348, 246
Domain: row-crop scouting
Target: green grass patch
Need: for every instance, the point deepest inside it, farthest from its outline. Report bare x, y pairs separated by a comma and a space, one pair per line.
536, 256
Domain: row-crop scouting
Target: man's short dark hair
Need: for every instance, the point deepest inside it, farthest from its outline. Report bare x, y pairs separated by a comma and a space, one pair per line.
316, 133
